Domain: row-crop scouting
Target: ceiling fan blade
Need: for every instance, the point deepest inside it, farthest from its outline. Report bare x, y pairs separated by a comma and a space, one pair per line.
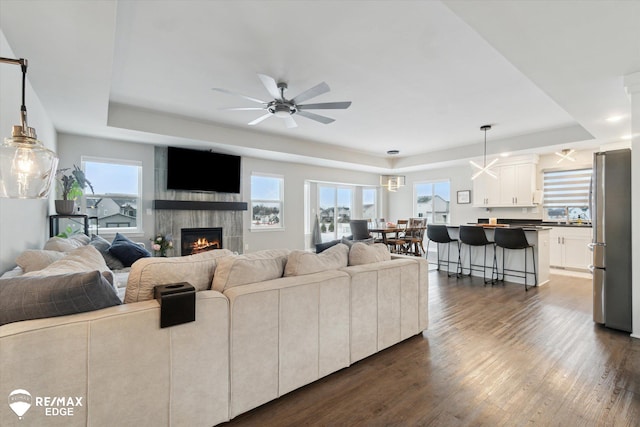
271, 85
228, 92
259, 119
290, 123
243, 109
325, 106
316, 117
318, 89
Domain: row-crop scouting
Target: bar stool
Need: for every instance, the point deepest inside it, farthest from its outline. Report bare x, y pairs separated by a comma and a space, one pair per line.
471, 235
514, 238
440, 234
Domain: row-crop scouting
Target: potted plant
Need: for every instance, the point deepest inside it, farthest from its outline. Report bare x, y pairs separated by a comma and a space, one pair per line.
71, 186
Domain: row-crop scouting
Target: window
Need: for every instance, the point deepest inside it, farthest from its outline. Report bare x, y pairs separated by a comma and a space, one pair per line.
566, 192
267, 203
117, 196
335, 207
369, 203
431, 201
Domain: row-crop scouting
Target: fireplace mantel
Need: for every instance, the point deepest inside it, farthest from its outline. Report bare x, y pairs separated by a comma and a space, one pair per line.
195, 205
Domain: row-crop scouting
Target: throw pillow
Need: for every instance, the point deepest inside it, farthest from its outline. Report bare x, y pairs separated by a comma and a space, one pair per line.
148, 272
82, 238
34, 259
249, 268
36, 297
320, 247
103, 245
127, 251
302, 262
361, 253
350, 242
82, 259
62, 244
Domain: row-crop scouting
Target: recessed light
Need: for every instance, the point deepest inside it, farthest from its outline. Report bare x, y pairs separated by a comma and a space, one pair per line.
614, 119
393, 152
627, 137
505, 154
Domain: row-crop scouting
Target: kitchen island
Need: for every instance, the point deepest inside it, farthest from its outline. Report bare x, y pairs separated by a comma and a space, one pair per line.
514, 259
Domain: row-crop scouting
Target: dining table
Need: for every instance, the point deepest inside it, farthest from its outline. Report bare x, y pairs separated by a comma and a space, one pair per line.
384, 234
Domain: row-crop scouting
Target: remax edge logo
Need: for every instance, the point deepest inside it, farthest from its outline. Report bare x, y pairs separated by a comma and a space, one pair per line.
20, 401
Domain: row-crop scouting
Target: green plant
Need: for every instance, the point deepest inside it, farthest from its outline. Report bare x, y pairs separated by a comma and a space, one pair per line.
68, 232
72, 184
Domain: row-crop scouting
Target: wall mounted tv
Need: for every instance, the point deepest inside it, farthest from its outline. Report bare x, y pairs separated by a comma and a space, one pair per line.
195, 170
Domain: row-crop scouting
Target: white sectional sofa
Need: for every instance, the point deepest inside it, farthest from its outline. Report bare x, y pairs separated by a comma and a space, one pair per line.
278, 320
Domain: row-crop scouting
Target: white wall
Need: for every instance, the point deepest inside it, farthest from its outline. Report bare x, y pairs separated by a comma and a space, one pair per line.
72, 147
23, 223
295, 174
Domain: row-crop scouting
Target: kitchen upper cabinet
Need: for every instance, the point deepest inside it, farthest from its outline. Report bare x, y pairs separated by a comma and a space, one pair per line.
486, 190
568, 247
515, 186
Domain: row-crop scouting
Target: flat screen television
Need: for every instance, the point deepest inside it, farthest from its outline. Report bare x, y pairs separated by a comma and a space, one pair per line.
196, 170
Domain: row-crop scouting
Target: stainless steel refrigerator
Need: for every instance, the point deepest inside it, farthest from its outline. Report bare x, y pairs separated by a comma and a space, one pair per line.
611, 221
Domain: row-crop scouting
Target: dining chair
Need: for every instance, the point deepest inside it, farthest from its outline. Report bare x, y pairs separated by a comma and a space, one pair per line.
399, 239
415, 231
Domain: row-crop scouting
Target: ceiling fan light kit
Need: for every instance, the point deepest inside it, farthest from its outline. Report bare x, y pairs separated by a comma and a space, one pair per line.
485, 168
284, 108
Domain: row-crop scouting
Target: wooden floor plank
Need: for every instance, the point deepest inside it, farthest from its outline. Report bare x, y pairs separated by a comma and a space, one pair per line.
493, 356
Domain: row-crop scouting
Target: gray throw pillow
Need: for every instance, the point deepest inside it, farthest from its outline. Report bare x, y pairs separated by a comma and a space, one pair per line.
103, 245
37, 297
348, 242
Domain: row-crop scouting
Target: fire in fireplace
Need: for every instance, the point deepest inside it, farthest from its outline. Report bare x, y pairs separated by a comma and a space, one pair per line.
196, 240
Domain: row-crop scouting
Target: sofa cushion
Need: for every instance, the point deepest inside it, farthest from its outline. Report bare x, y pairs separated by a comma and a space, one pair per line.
362, 253
103, 245
35, 259
82, 259
302, 262
350, 242
62, 244
36, 297
127, 251
148, 272
249, 268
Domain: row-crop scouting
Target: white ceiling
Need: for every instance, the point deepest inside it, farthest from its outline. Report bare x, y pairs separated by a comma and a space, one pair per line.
423, 76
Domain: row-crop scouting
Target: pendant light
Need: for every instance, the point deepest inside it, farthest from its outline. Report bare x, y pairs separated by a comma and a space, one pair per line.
565, 155
485, 168
27, 167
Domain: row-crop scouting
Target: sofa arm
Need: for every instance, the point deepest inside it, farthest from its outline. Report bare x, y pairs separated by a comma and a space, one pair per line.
177, 376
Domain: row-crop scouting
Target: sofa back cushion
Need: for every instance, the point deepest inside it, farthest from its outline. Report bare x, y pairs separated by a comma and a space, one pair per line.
249, 268
37, 297
362, 253
302, 262
149, 272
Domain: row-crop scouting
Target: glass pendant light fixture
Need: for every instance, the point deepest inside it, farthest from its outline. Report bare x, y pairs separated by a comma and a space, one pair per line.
27, 167
486, 168
393, 182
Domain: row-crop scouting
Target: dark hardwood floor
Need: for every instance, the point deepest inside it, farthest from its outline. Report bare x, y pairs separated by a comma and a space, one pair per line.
492, 356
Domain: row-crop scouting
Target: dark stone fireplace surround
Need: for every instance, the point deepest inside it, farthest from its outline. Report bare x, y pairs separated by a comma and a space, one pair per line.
175, 210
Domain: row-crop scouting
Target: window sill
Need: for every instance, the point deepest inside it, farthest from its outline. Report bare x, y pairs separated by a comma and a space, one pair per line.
262, 230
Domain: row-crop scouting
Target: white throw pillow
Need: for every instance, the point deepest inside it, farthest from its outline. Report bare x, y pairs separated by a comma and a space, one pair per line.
302, 262
62, 244
35, 259
361, 253
249, 268
84, 258
149, 272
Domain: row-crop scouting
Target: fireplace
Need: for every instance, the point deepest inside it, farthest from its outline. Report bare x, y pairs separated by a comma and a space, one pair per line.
196, 240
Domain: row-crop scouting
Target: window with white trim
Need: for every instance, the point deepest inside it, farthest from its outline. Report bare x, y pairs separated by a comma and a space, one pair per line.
566, 194
369, 203
267, 202
117, 197
431, 200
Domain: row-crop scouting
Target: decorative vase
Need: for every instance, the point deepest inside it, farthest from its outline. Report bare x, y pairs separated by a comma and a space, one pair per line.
65, 207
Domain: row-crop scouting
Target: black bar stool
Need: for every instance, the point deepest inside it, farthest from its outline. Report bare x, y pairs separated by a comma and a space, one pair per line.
514, 238
471, 235
440, 234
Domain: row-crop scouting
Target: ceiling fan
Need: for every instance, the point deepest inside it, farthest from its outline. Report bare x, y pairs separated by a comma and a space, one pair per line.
285, 108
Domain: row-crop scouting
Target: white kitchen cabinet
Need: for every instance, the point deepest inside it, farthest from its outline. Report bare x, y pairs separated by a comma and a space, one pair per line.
517, 184
568, 247
514, 186
486, 190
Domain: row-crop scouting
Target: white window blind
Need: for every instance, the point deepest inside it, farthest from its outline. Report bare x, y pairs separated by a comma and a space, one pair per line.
566, 188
